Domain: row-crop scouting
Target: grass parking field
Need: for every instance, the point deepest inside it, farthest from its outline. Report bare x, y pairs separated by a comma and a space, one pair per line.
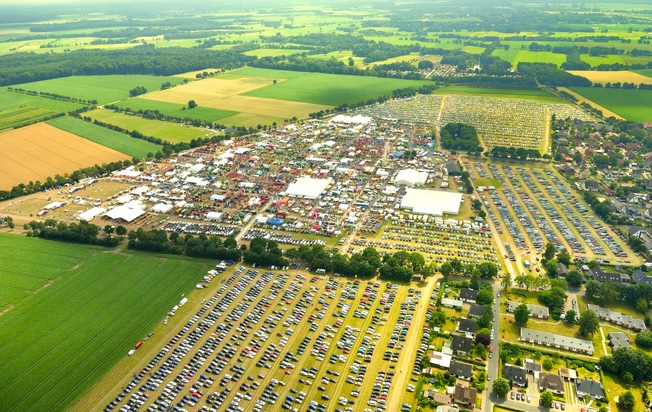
171, 132
115, 140
632, 104
260, 332
57, 344
104, 89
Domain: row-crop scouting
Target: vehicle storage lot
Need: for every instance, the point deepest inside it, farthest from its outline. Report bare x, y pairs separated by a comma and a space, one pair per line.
284, 340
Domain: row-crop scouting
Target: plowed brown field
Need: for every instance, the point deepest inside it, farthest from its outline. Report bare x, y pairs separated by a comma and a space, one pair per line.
38, 151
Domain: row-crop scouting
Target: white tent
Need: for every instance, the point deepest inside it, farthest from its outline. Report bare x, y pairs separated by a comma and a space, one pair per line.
431, 202
308, 187
411, 177
90, 214
125, 213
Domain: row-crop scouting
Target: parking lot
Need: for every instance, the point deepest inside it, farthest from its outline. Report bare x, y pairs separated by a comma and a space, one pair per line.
537, 206
271, 340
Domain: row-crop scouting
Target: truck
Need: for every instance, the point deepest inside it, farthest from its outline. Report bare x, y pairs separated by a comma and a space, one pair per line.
526, 263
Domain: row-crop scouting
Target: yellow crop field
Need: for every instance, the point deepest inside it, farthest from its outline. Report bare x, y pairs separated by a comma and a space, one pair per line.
622, 76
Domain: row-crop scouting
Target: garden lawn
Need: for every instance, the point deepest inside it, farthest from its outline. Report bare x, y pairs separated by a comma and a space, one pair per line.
104, 89
177, 110
632, 104
56, 345
321, 88
106, 137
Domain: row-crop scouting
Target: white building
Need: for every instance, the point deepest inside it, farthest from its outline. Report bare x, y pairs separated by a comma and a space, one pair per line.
308, 187
411, 177
431, 202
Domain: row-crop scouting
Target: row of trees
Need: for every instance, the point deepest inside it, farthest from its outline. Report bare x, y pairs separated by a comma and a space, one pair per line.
82, 232
511, 152
638, 295
196, 246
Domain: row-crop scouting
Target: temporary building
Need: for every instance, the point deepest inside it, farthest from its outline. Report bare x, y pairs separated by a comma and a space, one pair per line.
411, 177
276, 221
431, 202
308, 187
90, 214
126, 213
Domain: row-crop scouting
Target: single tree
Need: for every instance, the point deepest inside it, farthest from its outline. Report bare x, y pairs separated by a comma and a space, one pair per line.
546, 398
522, 314
571, 316
506, 281
589, 323
501, 386
574, 278
626, 401
549, 252
192, 104
120, 230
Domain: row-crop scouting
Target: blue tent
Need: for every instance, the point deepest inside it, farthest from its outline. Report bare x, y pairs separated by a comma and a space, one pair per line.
276, 221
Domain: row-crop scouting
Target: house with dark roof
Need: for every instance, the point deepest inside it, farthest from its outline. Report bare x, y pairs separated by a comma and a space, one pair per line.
468, 295
464, 396
640, 277
453, 168
467, 326
476, 311
461, 345
600, 275
515, 374
461, 370
591, 186
531, 367
618, 340
587, 388
552, 383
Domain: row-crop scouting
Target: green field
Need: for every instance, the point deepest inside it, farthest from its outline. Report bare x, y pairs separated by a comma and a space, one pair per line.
645, 72
538, 57
110, 138
104, 89
172, 132
10, 100
319, 88
175, 110
274, 52
531, 94
631, 104
55, 345
21, 115
598, 60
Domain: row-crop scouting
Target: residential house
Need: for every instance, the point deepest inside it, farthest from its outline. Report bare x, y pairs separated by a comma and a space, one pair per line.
440, 359
468, 295
461, 370
587, 388
533, 368
467, 326
637, 231
536, 311
515, 374
640, 277
600, 275
461, 345
618, 340
618, 318
464, 396
476, 311
446, 408
552, 383
557, 341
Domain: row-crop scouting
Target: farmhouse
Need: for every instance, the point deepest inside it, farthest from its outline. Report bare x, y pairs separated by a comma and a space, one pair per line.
515, 374
551, 382
557, 341
618, 318
618, 340
431, 202
536, 311
464, 396
587, 388
461, 370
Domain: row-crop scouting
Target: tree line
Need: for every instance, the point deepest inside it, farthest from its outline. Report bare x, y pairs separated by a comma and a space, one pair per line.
82, 232
201, 246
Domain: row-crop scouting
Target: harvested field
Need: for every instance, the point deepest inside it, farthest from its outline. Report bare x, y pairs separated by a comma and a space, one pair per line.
193, 75
225, 94
38, 151
622, 76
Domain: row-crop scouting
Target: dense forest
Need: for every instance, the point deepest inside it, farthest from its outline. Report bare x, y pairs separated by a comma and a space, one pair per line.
460, 136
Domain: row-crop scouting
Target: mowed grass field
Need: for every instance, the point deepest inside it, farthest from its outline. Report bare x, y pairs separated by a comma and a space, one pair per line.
40, 150
631, 104
320, 88
177, 109
110, 138
171, 132
530, 94
57, 344
104, 89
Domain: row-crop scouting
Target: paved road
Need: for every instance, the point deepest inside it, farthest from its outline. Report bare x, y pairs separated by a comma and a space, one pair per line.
492, 365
